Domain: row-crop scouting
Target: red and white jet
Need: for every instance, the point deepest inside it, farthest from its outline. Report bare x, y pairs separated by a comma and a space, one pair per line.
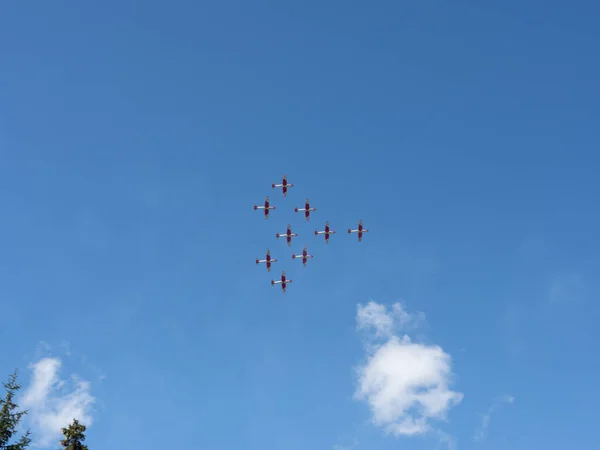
284, 185
360, 230
288, 235
284, 281
268, 260
307, 209
327, 232
305, 256
266, 207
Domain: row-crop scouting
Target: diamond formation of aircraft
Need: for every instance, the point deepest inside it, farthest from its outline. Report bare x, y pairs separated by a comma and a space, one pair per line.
307, 209
268, 260
267, 207
305, 256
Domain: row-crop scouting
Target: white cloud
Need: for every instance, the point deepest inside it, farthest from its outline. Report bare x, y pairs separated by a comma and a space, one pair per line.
384, 323
52, 404
485, 419
405, 383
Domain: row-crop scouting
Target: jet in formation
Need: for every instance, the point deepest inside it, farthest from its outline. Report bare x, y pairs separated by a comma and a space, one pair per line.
304, 256
360, 231
283, 281
267, 207
288, 235
284, 185
327, 232
307, 209
268, 260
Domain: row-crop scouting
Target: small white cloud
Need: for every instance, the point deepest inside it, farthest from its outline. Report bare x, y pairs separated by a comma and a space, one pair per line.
52, 405
375, 316
485, 418
405, 383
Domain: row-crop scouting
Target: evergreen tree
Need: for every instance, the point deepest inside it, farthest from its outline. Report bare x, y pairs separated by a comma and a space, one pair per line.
10, 417
74, 436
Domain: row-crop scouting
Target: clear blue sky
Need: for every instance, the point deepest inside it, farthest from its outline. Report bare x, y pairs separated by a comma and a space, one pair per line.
135, 138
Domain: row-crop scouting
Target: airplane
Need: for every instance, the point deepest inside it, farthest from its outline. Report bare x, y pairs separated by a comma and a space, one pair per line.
283, 281
288, 235
307, 209
326, 232
268, 260
360, 230
305, 256
284, 185
266, 207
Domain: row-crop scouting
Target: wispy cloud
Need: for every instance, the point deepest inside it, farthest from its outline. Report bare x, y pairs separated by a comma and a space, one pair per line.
480, 433
405, 383
446, 439
54, 403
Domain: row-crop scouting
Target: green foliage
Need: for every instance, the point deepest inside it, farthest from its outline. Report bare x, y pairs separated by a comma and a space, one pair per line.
74, 436
10, 417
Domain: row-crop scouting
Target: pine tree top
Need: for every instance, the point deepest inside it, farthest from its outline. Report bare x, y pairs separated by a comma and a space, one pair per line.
10, 417
74, 436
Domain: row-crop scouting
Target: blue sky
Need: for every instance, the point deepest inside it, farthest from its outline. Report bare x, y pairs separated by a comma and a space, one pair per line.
135, 138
